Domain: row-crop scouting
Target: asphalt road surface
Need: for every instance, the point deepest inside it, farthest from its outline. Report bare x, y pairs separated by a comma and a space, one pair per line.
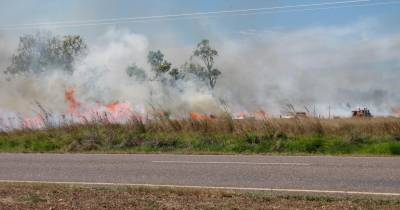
365, 175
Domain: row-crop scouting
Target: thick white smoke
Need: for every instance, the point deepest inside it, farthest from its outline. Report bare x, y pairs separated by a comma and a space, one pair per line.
5, 51
340, 67
102, 78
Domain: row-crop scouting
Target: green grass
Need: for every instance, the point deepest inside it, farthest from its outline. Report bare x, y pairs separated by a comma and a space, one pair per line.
205, 138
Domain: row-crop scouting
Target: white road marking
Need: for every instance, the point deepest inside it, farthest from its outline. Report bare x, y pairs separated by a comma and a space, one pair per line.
207, 187
239, 163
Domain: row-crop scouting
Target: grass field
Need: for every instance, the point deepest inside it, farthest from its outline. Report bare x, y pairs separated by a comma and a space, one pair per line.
375, 136
40, 196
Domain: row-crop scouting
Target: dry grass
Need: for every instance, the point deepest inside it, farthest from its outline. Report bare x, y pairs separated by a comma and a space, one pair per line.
374, 136
29, 196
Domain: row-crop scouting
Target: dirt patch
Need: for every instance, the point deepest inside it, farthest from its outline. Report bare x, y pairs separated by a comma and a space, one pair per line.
38, 196
7, 200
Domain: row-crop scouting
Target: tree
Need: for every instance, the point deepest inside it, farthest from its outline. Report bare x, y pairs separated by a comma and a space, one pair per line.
136, 72
206, 54
157, 62
43, 52
176, 74
73, 48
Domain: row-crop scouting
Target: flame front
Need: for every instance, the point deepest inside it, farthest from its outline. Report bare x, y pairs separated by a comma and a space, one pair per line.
195, 116
114, 112
73, 104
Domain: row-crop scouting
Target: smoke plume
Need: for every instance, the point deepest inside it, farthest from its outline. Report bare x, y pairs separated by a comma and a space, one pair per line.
5, 52
340, 67
321, 67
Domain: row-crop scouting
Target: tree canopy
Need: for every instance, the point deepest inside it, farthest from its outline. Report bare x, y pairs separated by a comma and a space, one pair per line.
205, 72
201, 65
43, 52
157, 62
136, 72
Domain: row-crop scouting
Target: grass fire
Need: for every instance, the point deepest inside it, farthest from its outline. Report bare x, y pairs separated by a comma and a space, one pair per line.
199, 104
117, 127
156, 105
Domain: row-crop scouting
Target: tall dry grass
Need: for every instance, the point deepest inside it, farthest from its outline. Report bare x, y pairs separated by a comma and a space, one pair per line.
291, 127
221, 134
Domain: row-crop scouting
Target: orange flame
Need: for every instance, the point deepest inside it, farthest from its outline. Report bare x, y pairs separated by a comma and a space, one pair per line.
114, 112
119, 111
199, 117
242, 115
113, 106
257, 115
73, 104
33, 123
260, 115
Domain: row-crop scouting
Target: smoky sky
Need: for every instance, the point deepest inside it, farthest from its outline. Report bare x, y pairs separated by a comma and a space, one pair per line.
341, 67
319, 66
5, 52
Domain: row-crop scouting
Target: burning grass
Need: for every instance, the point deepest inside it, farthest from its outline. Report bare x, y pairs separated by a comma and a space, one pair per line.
375, 136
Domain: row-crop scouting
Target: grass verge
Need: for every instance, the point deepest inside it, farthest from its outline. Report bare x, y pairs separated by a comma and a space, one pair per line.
283, 136
52, 196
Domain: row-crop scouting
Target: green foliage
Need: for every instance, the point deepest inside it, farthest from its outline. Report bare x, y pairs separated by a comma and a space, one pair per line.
176, 74
136, 72
337, 146
390, 148
306, 145
164, 67
102, 138
205, 72
196, 70
43, 52
164, 135
73, 48
157, 62
394, 148
206, 54
155, 58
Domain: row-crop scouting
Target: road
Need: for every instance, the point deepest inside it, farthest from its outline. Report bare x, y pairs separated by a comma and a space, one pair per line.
358, 175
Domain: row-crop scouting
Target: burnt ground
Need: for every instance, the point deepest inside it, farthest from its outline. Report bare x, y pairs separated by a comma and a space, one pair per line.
54, 196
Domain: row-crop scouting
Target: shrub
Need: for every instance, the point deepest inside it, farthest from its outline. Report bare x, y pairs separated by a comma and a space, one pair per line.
394, 148
314, 145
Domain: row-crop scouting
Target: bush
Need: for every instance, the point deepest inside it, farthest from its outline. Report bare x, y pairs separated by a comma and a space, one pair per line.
314, 145
335, 146
394, 148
